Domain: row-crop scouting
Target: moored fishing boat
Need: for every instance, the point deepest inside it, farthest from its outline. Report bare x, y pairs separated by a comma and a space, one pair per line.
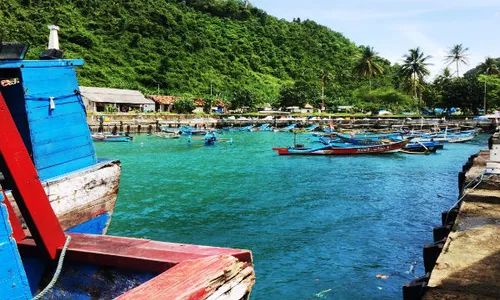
47, 108
342, 149
99, 137
422, 147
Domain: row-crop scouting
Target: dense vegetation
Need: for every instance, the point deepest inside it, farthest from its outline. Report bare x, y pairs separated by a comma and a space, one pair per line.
224, 49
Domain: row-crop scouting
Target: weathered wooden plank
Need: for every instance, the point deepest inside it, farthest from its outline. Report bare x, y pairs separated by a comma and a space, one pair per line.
195, 279
237, 287
82, 195
135, 254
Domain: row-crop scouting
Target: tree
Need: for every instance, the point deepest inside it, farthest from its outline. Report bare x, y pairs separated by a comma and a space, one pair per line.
367, 65
413, 71
184, 105
490, 67
457, 54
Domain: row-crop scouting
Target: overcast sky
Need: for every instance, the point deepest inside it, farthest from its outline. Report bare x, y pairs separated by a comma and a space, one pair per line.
394, 26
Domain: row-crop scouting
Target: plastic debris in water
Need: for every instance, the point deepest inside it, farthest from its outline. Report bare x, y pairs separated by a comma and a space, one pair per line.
322, 293
382, 276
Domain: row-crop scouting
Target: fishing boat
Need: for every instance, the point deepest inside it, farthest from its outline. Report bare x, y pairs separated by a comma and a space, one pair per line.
288, 128
99, 137
263, 127
44, 99
209, 139
422, 147
342, 149
168, 135
49, 165
306, 129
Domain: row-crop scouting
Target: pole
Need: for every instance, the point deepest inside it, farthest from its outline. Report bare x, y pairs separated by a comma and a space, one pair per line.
158, 89
485, 94
322, 91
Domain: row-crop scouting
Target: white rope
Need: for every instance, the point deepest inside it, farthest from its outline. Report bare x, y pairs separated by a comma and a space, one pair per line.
58, 270
480, 177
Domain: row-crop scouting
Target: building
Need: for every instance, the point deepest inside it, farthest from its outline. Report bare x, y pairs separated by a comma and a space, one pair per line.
119, 100
164, 103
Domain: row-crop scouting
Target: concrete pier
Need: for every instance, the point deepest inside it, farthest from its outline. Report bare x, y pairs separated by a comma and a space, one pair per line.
140, 123
464, 260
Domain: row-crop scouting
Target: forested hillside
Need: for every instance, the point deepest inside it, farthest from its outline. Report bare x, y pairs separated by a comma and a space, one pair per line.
227, 48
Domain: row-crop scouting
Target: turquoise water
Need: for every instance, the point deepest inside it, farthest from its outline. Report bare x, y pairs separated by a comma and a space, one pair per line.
319, 227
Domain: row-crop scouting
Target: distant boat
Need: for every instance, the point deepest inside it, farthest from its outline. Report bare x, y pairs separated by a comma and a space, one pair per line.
99, 137
422, 147
342, 149
287, 128
168, 135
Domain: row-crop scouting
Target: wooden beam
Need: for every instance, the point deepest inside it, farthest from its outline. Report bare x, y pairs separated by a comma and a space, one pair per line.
133, 253
22, 177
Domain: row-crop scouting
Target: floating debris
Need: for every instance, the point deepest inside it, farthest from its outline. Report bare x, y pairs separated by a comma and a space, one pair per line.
322, 294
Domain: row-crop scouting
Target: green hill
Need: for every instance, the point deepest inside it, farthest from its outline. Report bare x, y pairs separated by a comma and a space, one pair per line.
189, 47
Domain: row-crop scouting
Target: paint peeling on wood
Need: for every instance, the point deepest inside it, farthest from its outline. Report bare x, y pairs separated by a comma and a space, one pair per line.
213, 277
82, 195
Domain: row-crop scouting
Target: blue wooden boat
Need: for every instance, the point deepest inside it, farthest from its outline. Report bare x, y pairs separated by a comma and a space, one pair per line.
98, 137
44, 99
288, 128
263, 127
422, 147
49, 165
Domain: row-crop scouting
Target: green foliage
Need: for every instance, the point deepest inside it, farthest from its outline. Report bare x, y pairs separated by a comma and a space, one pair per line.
298, 94
184, 105
492, 86
382, 98
188, 46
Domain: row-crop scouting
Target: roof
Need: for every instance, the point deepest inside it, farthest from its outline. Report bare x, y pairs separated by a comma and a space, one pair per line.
200, 102
108, 95
307, 106
166, 100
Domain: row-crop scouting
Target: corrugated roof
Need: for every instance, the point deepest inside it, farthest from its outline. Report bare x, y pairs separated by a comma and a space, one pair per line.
166, 100
108, 95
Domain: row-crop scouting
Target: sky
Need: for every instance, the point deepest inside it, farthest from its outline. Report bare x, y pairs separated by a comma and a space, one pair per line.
392, 27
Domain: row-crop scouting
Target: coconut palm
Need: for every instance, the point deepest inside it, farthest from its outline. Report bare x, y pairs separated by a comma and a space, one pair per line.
489, 66
414, 70
457, 54
367, 65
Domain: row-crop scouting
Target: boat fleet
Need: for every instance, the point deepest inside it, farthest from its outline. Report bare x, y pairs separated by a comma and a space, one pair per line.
410, 142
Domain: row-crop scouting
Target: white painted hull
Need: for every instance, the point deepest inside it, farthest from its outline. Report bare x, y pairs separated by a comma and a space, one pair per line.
83, 195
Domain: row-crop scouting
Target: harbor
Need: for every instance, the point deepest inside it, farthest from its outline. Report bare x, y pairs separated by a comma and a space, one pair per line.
213, 150
331, 222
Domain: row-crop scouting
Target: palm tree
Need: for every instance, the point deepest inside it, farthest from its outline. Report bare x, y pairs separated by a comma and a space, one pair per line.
367, 65
457, 54
413, 70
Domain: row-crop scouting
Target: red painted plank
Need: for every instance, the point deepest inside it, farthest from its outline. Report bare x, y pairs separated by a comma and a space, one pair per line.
17, 228
23, 179
136, 254
194, 279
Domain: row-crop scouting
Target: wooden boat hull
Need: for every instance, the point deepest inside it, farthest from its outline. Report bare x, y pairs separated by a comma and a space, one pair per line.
331, 150
110, 267
83, 200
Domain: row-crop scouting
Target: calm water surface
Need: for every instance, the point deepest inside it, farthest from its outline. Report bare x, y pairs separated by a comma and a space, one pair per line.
319, 227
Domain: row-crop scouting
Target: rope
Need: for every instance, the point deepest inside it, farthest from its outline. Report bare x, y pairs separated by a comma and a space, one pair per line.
480, 177
57, 272
32, 98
